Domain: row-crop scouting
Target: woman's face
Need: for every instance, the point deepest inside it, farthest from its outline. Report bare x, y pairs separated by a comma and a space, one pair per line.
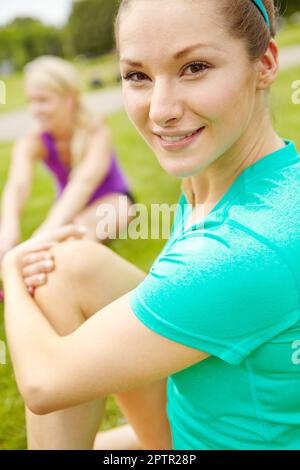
48, 108
184, 74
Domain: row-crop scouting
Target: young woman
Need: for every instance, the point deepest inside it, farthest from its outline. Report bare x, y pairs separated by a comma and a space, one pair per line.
76, 147
200, 353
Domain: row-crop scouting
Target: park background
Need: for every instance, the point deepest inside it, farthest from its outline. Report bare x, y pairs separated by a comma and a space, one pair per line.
85, 37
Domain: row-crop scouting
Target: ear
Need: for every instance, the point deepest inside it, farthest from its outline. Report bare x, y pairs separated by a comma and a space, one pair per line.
268, 66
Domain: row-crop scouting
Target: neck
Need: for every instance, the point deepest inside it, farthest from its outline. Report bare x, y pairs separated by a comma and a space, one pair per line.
64, 131
209, 186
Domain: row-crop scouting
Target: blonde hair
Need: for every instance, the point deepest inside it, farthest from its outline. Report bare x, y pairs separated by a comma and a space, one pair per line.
60, 76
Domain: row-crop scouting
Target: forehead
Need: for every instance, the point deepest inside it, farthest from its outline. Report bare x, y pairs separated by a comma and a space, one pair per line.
38, 90
168, 26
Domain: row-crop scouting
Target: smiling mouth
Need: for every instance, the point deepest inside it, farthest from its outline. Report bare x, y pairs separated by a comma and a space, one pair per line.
179, 138
179, 142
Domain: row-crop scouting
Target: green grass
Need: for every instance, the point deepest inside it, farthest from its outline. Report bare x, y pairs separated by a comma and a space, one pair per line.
150, 185
289, 35
285, 113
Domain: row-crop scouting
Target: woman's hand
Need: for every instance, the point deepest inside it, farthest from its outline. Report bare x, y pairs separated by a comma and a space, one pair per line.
33, 257
36, 264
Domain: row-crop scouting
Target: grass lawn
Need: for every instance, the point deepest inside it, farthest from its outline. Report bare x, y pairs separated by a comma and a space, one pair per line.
150, 185
289, 35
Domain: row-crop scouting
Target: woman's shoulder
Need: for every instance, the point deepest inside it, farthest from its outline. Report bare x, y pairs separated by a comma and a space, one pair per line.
31, 141
99, 129
98, 135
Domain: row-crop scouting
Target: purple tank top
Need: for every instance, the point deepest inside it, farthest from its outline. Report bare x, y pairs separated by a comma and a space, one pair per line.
115, 181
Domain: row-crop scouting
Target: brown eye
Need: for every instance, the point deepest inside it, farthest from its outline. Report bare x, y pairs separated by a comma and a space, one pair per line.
197, 67
135, 77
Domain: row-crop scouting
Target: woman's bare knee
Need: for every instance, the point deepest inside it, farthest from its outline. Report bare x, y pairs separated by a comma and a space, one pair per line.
59, 298
74, 262
87, 277
98, 274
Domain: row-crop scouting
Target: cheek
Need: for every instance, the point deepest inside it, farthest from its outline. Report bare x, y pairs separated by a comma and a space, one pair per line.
221, 100
221, 93
59, 107
137, 107
55, 106
45, 108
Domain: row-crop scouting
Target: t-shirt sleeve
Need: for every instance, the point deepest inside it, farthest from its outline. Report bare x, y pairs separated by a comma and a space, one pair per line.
225, 298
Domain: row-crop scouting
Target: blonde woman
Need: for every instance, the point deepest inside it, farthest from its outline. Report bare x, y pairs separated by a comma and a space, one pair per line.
76, 147
202, 352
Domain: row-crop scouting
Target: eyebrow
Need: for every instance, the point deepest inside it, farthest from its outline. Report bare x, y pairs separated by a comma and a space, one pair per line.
176, 56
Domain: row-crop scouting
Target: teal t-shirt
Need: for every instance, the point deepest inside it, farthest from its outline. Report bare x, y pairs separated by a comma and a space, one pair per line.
229, 286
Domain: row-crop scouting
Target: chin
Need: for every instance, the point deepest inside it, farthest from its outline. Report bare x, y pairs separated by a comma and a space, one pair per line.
179, 166
42, 125
46, 127
178, 170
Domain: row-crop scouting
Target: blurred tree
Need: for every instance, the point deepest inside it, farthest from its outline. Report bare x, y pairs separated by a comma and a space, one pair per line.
89, 30
287, 7
27, 38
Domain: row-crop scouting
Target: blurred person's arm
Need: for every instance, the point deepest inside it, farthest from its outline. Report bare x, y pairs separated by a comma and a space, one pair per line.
89, 174
26, 151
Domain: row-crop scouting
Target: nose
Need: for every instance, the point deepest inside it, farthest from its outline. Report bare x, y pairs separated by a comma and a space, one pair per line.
36, 109
165, 106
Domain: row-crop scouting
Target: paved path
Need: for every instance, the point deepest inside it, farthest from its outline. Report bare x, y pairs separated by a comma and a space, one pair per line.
290, 57
110, 101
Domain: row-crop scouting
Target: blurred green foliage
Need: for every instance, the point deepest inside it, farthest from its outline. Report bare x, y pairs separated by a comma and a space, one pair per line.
90, 28
288, 7
27, 38
89, 32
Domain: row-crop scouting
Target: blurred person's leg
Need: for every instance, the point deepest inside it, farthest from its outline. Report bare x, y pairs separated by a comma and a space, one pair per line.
115, 221
83, 282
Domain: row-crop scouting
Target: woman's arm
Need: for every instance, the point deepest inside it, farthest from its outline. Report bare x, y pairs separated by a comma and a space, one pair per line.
112, 351
15, 194
88, 176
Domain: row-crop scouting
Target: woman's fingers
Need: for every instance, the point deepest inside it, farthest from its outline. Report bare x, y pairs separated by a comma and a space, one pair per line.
33, 246
36, 245
45, 242
62, 233
34, 257
35, 267
44, 266
37, 280
31, 256
31, 290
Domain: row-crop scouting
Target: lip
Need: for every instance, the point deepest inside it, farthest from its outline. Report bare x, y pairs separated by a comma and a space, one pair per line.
181, 143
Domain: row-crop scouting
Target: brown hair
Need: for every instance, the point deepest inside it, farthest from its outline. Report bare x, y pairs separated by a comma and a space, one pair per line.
245, 22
